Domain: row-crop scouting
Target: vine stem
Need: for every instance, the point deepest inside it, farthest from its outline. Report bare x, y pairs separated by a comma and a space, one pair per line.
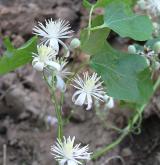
58, 107
126, 130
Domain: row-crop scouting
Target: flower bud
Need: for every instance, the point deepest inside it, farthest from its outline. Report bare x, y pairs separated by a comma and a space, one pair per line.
156, 47
109, 102
75, 43
155, 25
132, 49
38, 66
142, 4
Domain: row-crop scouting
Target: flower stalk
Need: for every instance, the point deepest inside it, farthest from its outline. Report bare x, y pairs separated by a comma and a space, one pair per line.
58, 110
58, 107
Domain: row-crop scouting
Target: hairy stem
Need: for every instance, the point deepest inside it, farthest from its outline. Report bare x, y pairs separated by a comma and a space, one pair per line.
58, 110
58, 107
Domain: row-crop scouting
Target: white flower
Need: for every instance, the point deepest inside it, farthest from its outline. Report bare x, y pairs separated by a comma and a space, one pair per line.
53, 31
61, 73
44, 58
153, 6
109, 102
66, 153
87, 88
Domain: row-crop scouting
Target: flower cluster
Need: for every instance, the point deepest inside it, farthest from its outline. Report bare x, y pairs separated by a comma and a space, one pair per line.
152, 6
46, 58
150, 54
88, 87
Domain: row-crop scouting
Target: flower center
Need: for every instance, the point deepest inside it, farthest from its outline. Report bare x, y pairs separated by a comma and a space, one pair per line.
68, 149
44, 52
89, 85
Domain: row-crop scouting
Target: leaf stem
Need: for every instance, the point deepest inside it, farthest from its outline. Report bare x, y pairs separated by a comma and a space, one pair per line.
90, 19
97, 27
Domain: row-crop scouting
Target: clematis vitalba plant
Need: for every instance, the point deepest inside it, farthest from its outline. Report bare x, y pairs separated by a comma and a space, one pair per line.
108, 74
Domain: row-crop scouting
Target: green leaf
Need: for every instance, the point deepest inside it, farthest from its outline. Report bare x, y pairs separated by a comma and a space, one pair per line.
120, 18
104, 3
87, 4
97, 21
145, 84
8, 44
91, 44
150, 43
14, 58
122, 73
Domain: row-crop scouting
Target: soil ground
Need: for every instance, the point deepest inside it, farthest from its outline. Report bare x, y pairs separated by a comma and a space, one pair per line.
25, 100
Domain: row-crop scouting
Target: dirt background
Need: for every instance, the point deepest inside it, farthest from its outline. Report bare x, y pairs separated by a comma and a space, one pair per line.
25, 101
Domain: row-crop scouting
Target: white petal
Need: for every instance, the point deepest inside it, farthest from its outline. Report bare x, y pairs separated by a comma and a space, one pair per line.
81, 99
54, 64
106, 98
38, 66
67, 54
62, 162
71, 162
60, 84
75, 94
89, 102
54, 44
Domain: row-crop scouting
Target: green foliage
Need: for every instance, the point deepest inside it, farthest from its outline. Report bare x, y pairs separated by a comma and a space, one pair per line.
103, 3
122, 73
14, 58
91, 44
120, 18
150, 43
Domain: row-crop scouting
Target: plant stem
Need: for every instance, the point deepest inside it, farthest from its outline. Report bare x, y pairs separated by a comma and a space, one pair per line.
58, 110
126, 131
97, 27
110, 146
157, 83
90, 19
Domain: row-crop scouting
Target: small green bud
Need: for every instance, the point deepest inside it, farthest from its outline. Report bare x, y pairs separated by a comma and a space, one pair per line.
156, 47
142, 4
75, 43
155, 25
132, 49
